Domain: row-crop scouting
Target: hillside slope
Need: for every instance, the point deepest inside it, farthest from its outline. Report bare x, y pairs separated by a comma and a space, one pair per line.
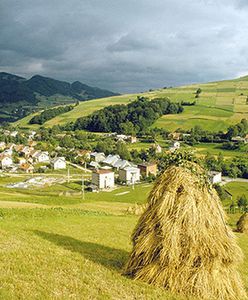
19, 96
218, 105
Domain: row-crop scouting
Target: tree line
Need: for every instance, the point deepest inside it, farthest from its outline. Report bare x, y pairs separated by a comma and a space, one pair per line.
49, 114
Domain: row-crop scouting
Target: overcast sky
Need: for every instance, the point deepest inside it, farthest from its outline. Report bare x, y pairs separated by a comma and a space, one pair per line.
125, 45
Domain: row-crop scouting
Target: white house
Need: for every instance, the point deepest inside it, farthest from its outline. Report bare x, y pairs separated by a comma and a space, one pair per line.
42, 157
121, 164
59, 163
103, 179
215, 177
6, 162
14, 133
97, 156
8, 152
129, 175
111, 159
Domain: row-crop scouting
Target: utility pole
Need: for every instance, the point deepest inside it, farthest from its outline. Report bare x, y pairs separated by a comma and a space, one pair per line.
68, 175
133, 180
83, 187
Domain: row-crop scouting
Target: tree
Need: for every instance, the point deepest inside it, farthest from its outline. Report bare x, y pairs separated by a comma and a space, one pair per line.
242, 201
122, 150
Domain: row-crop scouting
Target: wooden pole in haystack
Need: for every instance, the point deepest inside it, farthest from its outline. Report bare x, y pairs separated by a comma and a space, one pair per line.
182, 242
242, 224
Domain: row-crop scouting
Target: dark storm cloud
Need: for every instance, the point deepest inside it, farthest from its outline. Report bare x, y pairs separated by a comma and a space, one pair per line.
125, 45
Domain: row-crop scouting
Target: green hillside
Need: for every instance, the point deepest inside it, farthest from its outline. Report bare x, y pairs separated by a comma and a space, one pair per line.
219, 105
19, 96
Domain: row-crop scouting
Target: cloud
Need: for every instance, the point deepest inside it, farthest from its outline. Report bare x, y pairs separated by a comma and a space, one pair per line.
124, 46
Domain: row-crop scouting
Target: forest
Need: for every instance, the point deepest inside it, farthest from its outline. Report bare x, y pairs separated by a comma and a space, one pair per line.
133, 118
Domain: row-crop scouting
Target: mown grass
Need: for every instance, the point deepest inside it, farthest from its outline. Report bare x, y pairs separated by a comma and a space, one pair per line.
72, 254
64, 255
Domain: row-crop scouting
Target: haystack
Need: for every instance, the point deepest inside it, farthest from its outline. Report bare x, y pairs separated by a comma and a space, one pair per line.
242, 224
182, 242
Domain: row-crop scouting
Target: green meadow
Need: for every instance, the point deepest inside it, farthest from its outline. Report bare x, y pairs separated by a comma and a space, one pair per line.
68, 248
219, 105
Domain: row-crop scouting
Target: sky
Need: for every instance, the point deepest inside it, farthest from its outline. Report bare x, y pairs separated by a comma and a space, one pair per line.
125, 45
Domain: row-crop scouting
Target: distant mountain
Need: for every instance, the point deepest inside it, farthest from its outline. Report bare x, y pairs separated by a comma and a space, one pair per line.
19, 96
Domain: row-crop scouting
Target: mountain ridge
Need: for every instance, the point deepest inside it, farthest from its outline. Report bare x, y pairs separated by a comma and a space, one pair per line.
20, 96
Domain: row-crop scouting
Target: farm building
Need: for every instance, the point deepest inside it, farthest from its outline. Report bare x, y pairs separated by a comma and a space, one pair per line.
148, 168
129, 175
59, 163
103, 179
215, 177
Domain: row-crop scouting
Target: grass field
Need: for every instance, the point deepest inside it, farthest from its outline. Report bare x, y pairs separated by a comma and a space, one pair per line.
72, 252
67, 248
219, 105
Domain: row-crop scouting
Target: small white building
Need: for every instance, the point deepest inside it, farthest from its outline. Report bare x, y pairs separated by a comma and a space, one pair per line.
129, 175
158, 148
59, 163
42, 157
215, 177
103, 179
14, 133
97, 156
6, 162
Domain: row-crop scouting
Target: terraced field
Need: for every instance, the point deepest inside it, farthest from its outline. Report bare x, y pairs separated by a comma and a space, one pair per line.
220, 104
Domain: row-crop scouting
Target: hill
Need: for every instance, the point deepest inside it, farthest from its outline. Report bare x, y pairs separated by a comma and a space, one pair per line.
219, 105
19, 96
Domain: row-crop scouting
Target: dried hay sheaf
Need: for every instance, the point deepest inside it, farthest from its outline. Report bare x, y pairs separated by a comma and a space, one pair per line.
242, 224
181, 241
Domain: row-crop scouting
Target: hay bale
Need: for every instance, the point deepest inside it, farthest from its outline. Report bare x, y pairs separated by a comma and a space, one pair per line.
242, 224
181, 241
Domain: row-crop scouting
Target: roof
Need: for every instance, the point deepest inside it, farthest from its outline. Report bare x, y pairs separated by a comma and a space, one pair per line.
213, 173
58, 159
111, 159
120, 163
97, 153
131, 169
94, 164
101, 171
26, 166
147, 164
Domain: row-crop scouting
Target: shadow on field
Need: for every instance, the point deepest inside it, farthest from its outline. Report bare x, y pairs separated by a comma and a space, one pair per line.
111, 258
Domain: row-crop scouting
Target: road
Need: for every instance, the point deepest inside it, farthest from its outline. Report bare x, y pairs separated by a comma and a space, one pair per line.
226, 180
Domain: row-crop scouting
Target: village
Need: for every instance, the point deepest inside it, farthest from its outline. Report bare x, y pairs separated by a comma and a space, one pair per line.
107, 170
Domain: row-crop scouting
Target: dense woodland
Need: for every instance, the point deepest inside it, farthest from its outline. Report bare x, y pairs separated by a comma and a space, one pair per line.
133, 118
49, 114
